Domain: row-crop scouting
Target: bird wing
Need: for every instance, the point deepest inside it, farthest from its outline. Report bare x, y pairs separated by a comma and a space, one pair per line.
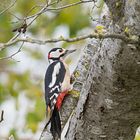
53, 79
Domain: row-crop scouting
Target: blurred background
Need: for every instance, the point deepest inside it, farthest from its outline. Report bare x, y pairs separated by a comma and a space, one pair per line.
22, 76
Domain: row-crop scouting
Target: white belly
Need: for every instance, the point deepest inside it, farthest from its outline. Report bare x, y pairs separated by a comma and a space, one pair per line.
66, 83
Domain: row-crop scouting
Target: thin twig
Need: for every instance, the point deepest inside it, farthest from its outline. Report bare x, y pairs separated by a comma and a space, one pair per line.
11, 40
34, 7
39, 13
14, 37
2, 116
11, 56
8, 7
15, 16
42, 10
67, 6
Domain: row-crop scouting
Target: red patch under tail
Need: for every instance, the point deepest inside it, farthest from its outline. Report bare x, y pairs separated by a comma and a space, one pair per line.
60, 99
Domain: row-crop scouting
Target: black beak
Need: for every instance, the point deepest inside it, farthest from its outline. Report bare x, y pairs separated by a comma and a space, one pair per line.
69, 51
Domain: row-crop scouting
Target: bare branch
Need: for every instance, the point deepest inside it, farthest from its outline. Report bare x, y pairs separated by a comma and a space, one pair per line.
2, 114
14, 38
35, 16
75, 39
8, 7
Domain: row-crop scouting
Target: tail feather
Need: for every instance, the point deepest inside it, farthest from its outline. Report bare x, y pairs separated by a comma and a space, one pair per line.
58, 123
55, 123
53, 126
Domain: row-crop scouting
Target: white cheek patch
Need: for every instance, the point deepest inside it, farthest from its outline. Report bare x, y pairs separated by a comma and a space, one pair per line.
54, 74
55, 54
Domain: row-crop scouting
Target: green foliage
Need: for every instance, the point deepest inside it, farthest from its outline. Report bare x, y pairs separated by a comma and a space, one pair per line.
73, 18
32, 121
2, 54
137, 137
5, 28
3, 93
76, 20
40, 108
34, 117
70, 16
37, 55
13, 133
24, 6
18, 82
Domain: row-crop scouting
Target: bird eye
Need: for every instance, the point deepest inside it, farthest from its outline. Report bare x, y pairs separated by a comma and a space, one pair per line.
60, 50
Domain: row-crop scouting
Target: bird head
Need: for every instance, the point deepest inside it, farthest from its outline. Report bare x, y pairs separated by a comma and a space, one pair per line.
59, 54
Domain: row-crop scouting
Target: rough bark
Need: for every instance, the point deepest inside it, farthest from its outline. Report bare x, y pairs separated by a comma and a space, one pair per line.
109, 104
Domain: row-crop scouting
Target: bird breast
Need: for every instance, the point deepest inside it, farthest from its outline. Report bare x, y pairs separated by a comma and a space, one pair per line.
66, 83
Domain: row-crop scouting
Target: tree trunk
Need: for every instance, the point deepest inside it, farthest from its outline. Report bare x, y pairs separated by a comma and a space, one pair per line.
108, 79
109, 102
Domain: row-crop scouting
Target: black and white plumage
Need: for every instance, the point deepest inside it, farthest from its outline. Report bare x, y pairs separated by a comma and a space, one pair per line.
53, 81
57, 83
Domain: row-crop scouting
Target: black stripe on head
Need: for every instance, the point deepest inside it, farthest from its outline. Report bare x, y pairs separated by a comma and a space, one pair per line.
54, 49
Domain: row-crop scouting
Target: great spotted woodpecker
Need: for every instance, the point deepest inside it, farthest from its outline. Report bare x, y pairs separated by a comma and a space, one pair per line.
57, 85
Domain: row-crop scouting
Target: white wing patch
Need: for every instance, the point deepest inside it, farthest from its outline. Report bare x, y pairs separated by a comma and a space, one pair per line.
53, 89
55, 72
